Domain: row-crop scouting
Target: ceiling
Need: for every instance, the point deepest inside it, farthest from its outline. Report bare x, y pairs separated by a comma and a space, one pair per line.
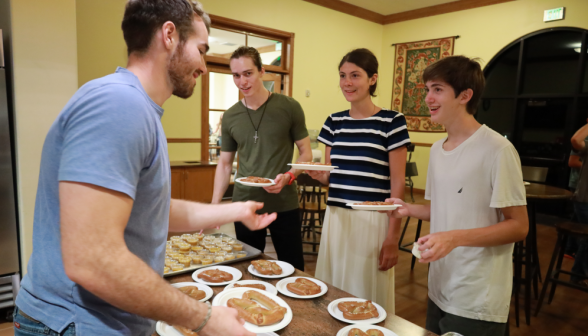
387, 7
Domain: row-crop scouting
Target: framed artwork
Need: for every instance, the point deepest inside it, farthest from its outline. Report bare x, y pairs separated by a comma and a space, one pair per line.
408, 89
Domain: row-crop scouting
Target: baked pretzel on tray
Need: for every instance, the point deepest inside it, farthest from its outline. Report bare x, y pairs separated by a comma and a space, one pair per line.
257, 308
266, 267
303, 287
369, 332
353, 310
215, 275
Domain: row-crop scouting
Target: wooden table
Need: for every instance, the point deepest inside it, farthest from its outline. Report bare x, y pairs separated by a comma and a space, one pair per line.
535, 193
311, 317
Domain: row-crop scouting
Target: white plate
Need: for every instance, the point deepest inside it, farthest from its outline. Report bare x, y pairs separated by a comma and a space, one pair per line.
311, 167
268, 286
165, 329
526, 183
373, 207
282, 287
221, 300
336, 313
364, 328
200, 286
251, 184
287, 269
235, 272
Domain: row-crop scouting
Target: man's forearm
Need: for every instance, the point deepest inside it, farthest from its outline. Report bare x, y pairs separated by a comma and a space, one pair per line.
394, 225
578, 138
420, 211
222, 178
125, 281
505, 232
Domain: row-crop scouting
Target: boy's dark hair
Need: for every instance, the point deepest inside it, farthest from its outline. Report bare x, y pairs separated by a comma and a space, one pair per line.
366, 60
143, 18
250, 52
461, 73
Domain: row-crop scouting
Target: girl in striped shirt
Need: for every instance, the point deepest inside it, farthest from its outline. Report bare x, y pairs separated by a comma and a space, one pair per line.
368, 144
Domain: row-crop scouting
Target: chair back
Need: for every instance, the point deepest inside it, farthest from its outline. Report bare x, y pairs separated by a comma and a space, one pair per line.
311, 191
535, 174
411, 169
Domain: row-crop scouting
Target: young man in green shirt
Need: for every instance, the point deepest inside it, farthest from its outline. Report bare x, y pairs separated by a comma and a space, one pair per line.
263, 127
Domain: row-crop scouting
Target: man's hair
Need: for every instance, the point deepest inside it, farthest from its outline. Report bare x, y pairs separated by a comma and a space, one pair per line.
366, 60
461, 73
143, 18
250, 52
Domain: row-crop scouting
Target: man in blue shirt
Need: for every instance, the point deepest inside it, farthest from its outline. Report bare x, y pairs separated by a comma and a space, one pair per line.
103, 205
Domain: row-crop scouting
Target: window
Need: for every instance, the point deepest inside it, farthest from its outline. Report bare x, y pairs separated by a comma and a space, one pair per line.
218, 90
536, 96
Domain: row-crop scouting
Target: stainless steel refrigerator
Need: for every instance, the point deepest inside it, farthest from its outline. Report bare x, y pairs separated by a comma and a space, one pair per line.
9, 261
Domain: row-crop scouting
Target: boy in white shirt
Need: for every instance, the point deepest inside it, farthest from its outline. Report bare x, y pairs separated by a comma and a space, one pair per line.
477, 211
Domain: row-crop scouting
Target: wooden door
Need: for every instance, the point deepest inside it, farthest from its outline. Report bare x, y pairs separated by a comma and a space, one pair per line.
199, 183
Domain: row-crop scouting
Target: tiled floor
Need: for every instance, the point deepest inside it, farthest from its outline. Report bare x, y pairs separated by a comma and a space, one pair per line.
567, 315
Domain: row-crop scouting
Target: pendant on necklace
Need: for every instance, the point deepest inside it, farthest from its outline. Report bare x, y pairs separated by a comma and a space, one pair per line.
255, 137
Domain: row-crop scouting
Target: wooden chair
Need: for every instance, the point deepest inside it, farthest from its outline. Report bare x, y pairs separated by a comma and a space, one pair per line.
411, 170
312, 205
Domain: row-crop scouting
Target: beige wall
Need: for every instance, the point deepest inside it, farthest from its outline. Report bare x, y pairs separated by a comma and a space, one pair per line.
45, 77
320, 42
483, 33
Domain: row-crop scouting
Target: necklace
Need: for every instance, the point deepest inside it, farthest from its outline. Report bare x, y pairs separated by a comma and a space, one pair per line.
255, 137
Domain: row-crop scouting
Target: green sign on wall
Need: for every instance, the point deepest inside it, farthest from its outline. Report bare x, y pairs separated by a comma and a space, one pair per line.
554, 14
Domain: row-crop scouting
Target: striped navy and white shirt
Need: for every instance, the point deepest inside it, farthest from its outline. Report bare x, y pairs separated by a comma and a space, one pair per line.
359, 147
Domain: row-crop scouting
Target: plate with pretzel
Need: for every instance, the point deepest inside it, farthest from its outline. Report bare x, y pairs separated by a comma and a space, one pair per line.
301, 287
197, 291
312, 166
273, 269
374, 206
365, 330
262, 311
217, 275
355, 310
254, 181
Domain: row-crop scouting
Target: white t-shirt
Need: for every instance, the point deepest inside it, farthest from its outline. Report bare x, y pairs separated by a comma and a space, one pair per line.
467, 187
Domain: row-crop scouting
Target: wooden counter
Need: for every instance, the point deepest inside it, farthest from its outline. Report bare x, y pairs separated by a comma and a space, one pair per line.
311, 317
192, 181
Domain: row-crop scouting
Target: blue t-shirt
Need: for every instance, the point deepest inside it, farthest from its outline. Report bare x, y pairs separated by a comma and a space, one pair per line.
360, 147
109, 134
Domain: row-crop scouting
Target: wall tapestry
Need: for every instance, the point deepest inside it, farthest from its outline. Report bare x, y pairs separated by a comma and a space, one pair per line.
408, 89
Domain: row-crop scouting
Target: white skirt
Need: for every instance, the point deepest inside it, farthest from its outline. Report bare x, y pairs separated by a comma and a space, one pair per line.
348, 255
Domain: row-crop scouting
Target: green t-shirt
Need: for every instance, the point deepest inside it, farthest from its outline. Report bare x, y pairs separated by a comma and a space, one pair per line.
282, 125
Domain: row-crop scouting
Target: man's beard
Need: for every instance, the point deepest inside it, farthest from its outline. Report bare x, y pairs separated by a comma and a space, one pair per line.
180, 74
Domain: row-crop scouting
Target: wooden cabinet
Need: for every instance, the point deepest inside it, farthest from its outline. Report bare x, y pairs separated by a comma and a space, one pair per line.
193, 183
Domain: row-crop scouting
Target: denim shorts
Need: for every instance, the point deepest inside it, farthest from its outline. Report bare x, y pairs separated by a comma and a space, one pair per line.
25, 325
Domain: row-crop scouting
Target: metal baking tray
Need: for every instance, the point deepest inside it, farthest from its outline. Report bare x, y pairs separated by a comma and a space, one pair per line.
252, 252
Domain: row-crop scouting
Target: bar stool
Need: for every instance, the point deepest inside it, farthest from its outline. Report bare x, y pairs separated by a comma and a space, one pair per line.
564, 231
404, 247
312, 205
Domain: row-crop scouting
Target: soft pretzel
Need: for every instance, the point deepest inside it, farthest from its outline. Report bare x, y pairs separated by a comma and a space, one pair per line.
267, 267
303, 287
185, 331
353, 310
193, 292
370, 332
215, 275
258, 286
255, 179
252, 312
